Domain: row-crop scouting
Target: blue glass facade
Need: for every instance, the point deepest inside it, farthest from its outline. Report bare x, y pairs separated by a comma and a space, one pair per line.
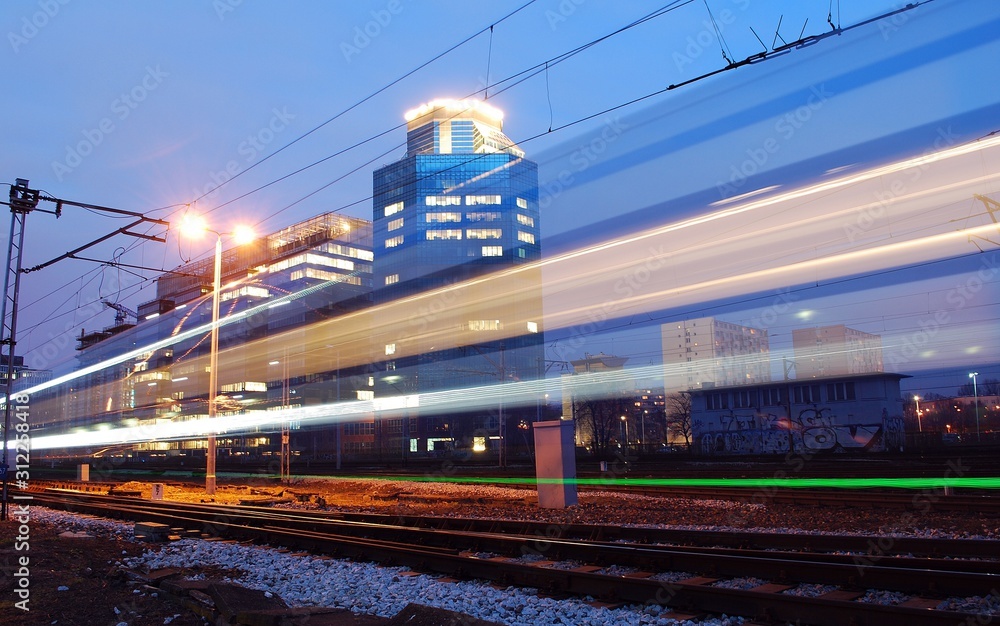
441, 221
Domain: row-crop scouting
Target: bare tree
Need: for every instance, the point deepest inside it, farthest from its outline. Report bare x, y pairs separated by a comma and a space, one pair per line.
599, 419
988, 387
678, 412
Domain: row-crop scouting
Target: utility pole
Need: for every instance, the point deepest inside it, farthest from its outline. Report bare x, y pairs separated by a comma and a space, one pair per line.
22, 202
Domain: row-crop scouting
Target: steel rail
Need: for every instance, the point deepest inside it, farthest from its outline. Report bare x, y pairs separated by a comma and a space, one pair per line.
913, 578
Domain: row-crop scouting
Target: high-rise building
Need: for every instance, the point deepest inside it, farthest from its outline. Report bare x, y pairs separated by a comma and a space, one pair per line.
835, 351
707, 352
462, 204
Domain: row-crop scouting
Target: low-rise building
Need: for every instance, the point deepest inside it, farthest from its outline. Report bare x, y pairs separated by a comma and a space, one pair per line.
805, 416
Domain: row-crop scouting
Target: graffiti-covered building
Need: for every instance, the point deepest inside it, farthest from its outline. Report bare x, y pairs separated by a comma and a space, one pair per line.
862, 413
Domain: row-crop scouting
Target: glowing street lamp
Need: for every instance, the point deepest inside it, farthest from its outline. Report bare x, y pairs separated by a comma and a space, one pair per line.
194, 227
975, 393
920, 427
625, 421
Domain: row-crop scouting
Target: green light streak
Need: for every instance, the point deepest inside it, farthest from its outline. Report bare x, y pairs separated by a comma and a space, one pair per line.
736, 483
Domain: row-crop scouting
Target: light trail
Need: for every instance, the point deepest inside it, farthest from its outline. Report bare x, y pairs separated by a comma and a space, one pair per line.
851, 225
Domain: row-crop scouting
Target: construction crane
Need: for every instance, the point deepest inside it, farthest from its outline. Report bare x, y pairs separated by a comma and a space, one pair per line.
121, 312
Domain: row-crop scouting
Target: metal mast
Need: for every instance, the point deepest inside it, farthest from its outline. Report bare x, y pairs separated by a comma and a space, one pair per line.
22, 202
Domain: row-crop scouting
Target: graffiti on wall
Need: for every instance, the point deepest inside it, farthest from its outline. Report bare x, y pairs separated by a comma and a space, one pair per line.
813, 429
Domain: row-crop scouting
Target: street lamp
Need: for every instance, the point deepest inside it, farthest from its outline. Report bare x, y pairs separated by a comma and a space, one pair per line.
194, 226
975, 393
920, 428
625, 421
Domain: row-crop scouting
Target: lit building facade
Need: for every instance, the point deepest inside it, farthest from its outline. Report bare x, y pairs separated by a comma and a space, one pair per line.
708, 352
276, 345
461, 205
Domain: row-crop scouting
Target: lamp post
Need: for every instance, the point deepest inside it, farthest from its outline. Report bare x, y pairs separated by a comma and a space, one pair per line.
975, 393
642, 430
920, 427
625, 421
194, 227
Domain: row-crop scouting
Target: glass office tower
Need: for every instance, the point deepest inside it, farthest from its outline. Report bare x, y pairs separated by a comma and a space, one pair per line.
456, 238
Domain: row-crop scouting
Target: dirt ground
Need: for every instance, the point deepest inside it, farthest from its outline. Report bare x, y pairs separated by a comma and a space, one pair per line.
73, 581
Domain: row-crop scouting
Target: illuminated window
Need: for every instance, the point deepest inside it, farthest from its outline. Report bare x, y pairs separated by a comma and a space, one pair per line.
244, 386
483, 216
312, 272
526, 220
492, 250
444, 234
442, 216
443, 200
392, 279
390, 348
393, 208
348, 251
474, 200
395, 241
395, 224
483, 233
479, 325
525, 237
249, 291
522, 203
366, 394
532, 327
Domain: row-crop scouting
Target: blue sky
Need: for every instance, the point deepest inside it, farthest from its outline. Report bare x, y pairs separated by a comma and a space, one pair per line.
142, 106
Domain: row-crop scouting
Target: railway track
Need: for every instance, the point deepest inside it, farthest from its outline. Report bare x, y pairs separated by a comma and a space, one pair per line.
981, 502
615, 564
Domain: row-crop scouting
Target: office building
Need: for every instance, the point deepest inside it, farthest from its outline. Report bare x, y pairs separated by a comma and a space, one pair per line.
456, 229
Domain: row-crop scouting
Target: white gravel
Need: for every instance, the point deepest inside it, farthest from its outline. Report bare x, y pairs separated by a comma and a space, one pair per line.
370, 589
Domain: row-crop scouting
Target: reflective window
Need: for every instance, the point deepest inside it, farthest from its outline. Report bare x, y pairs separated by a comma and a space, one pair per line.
484, 233
443, 217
